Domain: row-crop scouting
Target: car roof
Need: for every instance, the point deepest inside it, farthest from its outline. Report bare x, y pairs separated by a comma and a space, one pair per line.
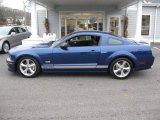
94, 31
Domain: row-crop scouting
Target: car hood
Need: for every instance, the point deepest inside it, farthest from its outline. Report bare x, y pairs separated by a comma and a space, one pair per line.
28, 47
3, 36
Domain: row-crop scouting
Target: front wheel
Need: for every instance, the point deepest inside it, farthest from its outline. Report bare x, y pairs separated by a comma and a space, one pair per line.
121, 68
5, 47
28, 67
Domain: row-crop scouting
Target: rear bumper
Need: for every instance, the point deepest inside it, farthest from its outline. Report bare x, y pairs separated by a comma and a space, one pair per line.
11, 65
149, 65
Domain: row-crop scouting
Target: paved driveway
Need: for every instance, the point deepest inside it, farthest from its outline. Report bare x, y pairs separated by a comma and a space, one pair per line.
80, 96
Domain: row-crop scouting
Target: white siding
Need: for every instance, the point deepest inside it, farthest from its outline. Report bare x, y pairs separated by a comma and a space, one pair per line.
132, 17
158, 26
41, 14
53, 17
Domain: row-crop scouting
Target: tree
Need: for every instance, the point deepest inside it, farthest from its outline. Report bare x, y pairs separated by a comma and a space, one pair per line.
18, 22
2, 19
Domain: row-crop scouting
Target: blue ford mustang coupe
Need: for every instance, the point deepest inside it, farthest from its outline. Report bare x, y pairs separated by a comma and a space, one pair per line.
85, 51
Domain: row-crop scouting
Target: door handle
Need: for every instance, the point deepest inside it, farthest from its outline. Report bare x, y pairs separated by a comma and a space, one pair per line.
92, 50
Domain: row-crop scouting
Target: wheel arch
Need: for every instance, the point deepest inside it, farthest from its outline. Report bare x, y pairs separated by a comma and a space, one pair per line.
124, 54
6, 41
27, 55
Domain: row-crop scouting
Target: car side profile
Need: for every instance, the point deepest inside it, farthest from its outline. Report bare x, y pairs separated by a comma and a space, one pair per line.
11, 36
85, 51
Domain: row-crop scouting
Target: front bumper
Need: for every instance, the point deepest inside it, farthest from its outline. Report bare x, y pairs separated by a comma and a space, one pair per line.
11, 65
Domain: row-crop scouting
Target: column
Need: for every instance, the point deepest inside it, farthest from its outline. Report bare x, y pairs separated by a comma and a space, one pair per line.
139, 21
33, 18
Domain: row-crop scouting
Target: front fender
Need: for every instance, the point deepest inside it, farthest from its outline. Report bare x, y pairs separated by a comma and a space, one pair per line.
28, 53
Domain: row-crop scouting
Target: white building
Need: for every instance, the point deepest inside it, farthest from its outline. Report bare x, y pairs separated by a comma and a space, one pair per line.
66, 16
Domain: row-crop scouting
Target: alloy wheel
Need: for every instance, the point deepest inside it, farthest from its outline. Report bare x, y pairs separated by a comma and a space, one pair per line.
6, 47
122, 68
27, 67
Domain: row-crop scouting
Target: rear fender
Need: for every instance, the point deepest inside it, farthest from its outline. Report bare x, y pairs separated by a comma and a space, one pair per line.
120, 54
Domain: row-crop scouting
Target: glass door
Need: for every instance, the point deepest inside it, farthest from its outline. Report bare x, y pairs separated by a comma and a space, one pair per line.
114, 25
79, 22
71, 25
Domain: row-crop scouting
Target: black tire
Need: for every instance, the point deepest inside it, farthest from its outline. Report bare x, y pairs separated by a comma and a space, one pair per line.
5, 47
22, 70
120, 71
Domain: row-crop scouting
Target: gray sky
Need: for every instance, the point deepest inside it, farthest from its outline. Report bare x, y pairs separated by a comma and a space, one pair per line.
15, 4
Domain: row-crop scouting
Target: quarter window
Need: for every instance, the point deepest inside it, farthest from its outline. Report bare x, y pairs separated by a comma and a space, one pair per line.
145, 25
23, 30
114, 41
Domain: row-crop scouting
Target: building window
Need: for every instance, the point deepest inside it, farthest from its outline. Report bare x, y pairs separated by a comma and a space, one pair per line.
145, 24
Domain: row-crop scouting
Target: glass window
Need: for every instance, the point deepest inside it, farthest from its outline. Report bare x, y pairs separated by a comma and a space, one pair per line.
72, 22
13, 30
114, 41
23, 30
20, 30
145, 25
83, 40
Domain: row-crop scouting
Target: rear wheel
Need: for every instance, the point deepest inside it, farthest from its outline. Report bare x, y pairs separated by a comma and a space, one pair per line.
121, 68
28, 67
5, 47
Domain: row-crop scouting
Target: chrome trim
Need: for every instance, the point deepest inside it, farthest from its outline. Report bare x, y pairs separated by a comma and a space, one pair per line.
102, 66
74, 67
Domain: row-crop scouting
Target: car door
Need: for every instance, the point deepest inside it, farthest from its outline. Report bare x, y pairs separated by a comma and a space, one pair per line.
13, 39
81, 52
20, 35
25, 33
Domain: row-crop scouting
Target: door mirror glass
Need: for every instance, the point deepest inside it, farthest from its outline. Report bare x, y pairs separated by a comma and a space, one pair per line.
13, 33
64, 45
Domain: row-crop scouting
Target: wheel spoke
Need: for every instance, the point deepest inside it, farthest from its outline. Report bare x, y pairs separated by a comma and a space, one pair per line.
23, 65
123, 64
25, 71
32, 65
127, 68
32, 71
116, 71
118, 65
122, 73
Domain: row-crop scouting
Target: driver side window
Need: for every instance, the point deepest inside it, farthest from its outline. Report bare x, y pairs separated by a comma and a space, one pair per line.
83, 40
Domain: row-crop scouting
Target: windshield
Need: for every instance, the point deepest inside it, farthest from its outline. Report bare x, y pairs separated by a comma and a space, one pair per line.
57, 42
4, 30
60, 40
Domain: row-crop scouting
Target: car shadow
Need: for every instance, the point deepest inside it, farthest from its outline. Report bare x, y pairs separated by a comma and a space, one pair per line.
73, 74
137, 75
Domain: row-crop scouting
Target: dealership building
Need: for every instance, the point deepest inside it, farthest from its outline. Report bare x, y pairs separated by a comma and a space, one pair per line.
135, 19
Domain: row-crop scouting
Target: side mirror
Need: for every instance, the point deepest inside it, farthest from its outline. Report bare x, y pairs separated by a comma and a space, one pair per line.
13, 33
64, 45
